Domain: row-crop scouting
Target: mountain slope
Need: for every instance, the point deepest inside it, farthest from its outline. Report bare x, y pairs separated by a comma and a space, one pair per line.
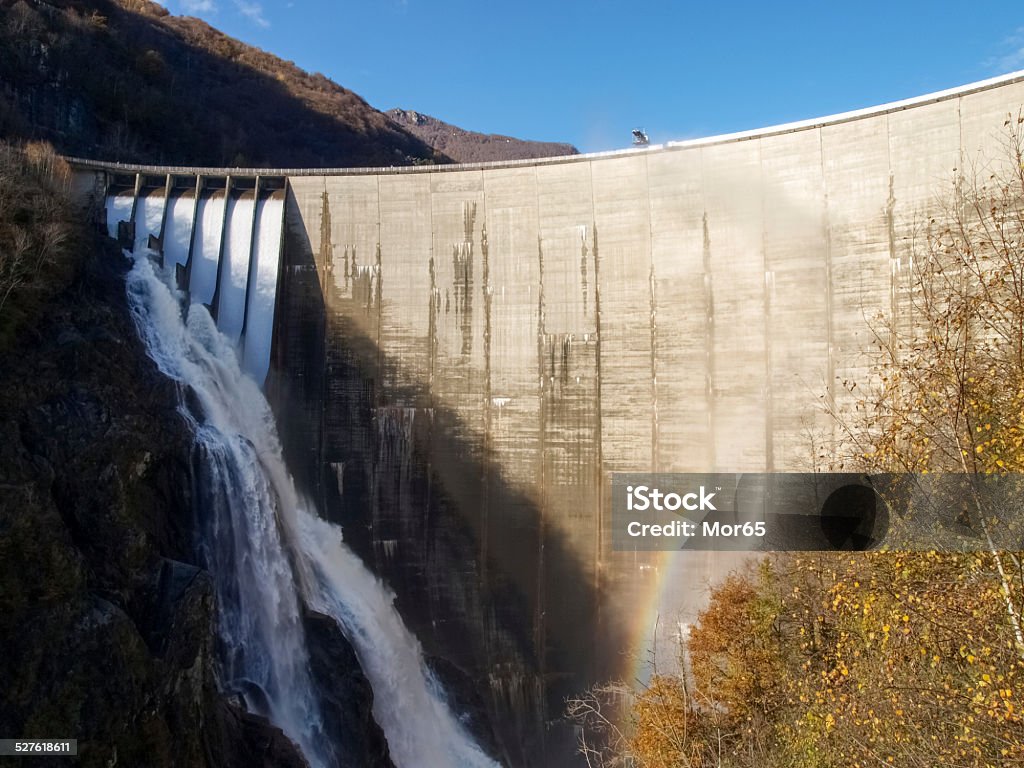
126, 81
464, 146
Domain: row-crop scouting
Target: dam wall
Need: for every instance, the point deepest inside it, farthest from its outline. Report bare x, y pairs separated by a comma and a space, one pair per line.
501, 339
462, 355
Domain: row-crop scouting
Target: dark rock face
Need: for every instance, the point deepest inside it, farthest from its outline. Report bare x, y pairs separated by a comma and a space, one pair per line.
249, 741
345, 695
107, 630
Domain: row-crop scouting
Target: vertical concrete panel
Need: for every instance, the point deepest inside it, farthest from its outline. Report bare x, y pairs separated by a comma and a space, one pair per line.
924, 152
354, 210
629, 347
855, 159
796, 278
456, 205
511, 496
346, 253
924, 148
296, 377
407, 297
566, 219
682, 291
733, 199
458, 433
566, 364
565, 336
514, 283
628, 387
982, 125
304, 215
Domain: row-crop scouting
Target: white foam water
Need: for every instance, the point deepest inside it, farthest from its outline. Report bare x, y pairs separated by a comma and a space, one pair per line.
149, 214
263, 654
178, 229
269, 551
206, 247
408, 702
234, 277
119, 208
262, 294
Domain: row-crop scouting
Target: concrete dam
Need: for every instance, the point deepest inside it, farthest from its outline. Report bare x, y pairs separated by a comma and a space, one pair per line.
459, 357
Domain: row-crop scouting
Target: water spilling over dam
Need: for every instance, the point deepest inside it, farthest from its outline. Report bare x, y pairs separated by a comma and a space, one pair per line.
269, 554
459, 357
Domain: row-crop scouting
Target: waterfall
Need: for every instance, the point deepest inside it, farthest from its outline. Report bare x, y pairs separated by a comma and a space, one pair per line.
119, 208
262, 294
149, 211
269, 552
178, 232
408, 702
241, 489
206, 248
235, 270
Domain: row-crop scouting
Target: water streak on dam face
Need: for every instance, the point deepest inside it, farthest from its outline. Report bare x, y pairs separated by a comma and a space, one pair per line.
462, 356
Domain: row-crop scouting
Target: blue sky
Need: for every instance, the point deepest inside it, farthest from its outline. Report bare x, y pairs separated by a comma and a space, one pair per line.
588, 72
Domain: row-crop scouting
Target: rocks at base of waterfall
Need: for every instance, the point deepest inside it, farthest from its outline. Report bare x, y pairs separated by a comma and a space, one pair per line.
250, 741
346, 696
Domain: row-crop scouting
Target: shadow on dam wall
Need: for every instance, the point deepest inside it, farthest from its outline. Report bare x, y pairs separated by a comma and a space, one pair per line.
509, 616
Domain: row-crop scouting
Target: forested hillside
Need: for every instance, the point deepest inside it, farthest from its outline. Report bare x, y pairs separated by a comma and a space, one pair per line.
126, 81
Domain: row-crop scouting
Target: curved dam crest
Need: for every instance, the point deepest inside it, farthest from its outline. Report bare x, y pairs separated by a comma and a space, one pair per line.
462, 356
